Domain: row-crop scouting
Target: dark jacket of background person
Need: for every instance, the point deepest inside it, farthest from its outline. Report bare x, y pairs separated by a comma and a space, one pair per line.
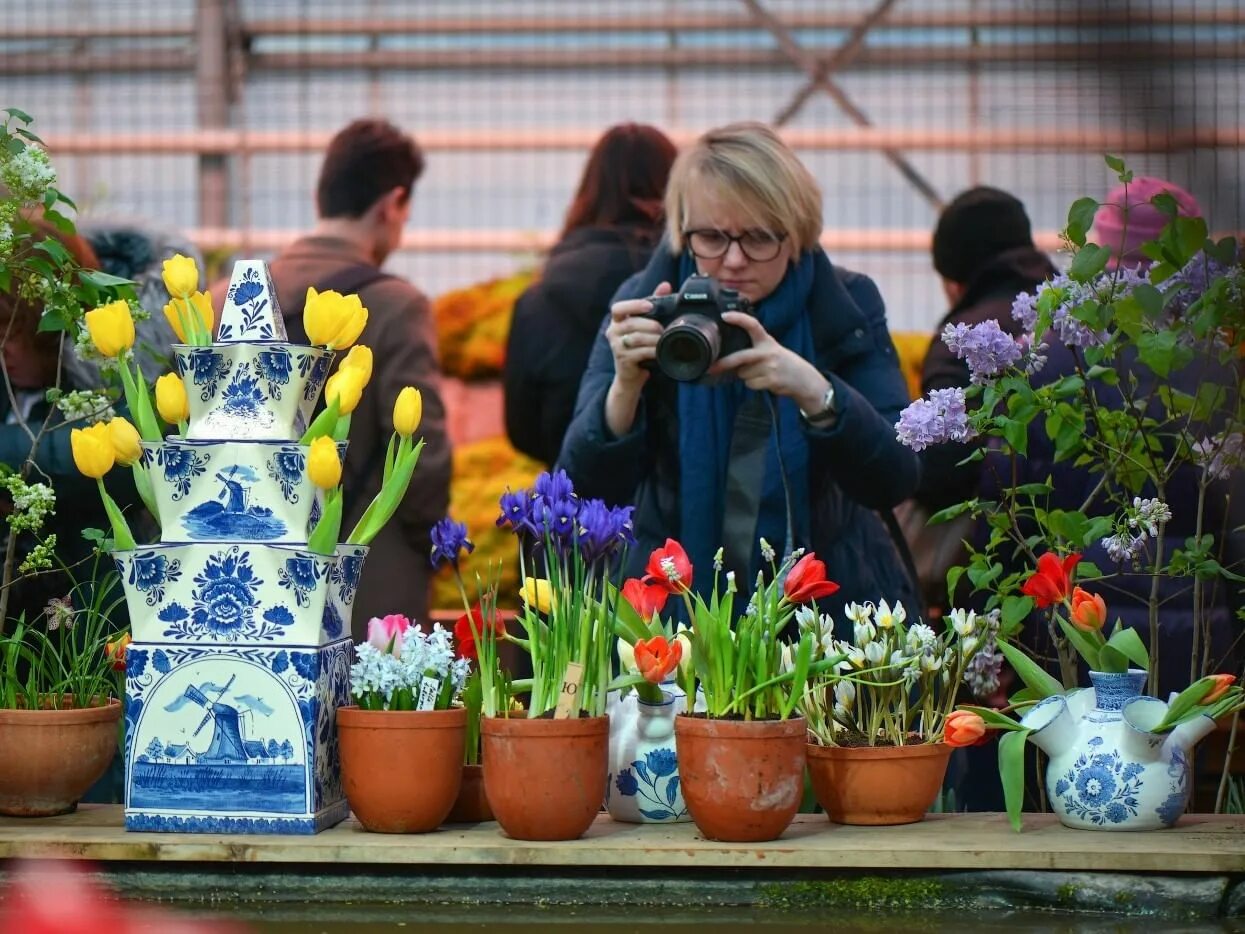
857, 465
1127, 595
554, 326
403, 340
610, 229
989, 294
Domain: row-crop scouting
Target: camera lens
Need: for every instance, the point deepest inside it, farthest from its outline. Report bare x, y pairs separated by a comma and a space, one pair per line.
688, 346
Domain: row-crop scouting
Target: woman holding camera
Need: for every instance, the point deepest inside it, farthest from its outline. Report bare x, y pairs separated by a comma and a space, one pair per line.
791, 439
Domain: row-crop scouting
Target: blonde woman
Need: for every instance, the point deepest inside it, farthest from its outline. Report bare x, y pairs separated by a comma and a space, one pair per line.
791, 439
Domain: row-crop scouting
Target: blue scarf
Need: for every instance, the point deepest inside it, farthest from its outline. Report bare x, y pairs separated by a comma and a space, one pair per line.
707, 421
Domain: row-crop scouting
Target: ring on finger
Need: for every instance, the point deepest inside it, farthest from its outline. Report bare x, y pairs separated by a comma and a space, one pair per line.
626, 341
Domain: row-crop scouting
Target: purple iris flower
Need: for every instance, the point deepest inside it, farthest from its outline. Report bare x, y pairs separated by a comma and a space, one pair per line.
516, 512
599, 535
554, 486
449, 539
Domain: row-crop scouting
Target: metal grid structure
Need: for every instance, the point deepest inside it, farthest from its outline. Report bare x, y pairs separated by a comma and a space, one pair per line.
210, 115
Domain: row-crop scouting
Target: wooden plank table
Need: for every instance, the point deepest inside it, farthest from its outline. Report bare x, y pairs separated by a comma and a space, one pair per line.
1199, 844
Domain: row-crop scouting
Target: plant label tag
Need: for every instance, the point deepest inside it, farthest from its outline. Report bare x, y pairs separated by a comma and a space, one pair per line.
429, 688
571, 682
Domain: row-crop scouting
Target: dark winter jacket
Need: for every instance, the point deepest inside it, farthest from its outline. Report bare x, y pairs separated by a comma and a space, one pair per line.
554, 326
989, 295
856, 467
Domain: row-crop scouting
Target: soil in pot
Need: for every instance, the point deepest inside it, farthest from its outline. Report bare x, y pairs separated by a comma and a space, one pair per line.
401, 769
471, 805
877, 785
545, 778
62, 754
742, 780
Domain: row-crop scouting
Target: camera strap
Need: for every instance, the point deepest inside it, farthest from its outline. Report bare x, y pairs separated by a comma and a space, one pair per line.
745, 481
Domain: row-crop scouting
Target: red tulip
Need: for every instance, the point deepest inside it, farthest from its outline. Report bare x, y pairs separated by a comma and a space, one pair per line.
1089, 611
1222, 683
669, 568
115, 651
468, 627
1052, 582
807, 581
657, 657
963, 728
645, 599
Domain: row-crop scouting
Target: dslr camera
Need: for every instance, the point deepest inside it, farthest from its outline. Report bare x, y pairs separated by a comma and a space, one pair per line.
695, 335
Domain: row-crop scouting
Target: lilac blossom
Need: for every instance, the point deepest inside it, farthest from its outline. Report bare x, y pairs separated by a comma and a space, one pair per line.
985, 347
940, 418
1149, 514
981, 674
1196, 276
1124, 547
1024, 310
1219, 455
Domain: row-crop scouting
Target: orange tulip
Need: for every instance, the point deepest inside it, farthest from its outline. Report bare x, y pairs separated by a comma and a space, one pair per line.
1089, 611
657, 657
114, 651
963, 728
1222, 683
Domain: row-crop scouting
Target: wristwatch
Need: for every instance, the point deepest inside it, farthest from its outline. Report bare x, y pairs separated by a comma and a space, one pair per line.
826, 414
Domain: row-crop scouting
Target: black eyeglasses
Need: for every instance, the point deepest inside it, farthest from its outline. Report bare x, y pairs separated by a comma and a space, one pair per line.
760, 246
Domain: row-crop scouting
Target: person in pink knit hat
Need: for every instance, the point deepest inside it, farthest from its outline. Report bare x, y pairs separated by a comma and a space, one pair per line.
1144, 220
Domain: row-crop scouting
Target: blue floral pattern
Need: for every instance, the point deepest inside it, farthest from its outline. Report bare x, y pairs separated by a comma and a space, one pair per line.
315, 368
302, 576
645, 778
1101, 787
345, 575
287, 468
242, 397
248, 295
207, 368
224, 600
150, 572
181, 465
274, 368
1174, 804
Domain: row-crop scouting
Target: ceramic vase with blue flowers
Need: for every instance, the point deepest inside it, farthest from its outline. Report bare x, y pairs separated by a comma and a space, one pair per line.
1107, 770
643, 784
241, 651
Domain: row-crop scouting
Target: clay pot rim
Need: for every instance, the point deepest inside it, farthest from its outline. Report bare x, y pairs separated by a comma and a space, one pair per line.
352, 715
915, 751
544, 726
68, 715
700, 725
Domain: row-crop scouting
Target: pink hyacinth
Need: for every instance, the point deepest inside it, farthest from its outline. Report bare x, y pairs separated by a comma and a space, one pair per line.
386, 633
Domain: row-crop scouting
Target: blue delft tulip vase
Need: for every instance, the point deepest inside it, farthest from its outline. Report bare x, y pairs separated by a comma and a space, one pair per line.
233, 491
643, 785
241, 653
1107, 770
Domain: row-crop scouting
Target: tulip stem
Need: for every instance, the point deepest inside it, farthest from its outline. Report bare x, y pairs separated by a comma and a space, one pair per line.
142, 482
121, 533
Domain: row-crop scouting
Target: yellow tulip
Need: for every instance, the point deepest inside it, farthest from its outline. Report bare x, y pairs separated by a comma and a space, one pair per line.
126, 444
171, 399
181, 276
346, 385
111, 328
537, 594
333, 320
407, 411
200, 302
324, 467
93, 452
359, 358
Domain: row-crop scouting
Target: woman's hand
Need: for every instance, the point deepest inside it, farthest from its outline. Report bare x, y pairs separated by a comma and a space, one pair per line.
633, 342
769, 366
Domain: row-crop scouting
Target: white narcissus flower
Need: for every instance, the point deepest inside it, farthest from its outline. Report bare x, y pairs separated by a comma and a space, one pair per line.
930, 661
857, 612
856, 657
887, 618
864, 632
786, 660
964, 623
845, 694
874, 653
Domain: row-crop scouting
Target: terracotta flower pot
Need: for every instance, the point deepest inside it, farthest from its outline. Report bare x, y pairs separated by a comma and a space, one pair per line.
51, 757
742, 780
401, 769
471, 806
545, 778
876, 785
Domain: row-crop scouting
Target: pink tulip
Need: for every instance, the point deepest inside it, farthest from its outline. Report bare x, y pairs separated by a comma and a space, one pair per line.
386, 633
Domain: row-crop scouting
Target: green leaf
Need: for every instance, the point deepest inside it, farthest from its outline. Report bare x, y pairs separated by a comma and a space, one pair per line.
52, 319
19, 115
1031, 673
1034, 489
1081, 219
993, 717
951, 512
1086, 645
1016, 433
1015, 609
1012, 773
1187, 699
1162, 353
1114, 163
1112, 660
102, 279
1129, 644
1090, 260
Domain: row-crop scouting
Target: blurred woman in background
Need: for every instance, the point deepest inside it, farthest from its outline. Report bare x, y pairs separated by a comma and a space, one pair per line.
611, 227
